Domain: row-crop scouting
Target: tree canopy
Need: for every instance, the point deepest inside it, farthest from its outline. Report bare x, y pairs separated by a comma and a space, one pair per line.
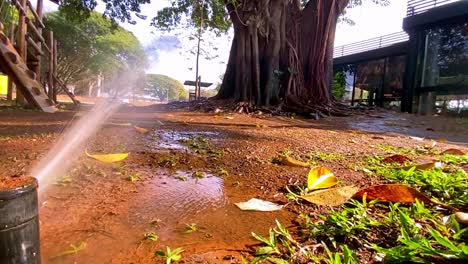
93, 46
281, 53
164, 87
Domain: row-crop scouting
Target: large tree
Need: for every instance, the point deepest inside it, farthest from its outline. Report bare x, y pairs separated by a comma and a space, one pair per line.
164, 87
282, 50
93, 47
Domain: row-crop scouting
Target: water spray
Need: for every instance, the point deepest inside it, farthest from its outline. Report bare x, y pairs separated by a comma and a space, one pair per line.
19, 222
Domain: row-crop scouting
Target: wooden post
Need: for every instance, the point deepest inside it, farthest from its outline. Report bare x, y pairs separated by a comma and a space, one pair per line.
37, 68
11, 35
55, 68
21, 44
50, 75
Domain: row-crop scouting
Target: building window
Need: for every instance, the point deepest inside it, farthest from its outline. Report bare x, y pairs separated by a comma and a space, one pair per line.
445, 58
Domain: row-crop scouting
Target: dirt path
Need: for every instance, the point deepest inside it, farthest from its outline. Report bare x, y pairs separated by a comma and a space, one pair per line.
95, 203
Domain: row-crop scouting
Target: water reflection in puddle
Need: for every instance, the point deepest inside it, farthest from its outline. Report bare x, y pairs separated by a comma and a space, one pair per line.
178, 197
171, 140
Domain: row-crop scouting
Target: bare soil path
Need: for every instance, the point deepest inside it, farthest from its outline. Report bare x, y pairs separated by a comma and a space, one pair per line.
97, 204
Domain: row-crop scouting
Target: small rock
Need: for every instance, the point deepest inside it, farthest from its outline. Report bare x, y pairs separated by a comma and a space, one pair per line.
461, 218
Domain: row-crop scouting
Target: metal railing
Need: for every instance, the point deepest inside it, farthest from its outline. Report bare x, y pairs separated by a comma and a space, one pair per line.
370, 44
415, 7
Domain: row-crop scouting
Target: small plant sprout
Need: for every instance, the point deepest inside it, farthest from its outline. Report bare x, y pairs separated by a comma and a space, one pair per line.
63, 181
181, 178
170, 255
198, 175
134, 177
190, 228
150, 236
222, 172
72, 251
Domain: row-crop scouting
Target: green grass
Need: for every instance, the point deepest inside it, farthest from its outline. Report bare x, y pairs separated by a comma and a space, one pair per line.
324, 156
170, 254
392, 232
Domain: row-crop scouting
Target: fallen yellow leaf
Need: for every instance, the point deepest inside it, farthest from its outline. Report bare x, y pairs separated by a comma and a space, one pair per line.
331, 197
108, 158
229, 117
288, 161
141, 130
319, 178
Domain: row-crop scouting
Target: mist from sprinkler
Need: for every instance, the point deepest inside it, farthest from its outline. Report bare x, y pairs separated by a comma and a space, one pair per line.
68, 148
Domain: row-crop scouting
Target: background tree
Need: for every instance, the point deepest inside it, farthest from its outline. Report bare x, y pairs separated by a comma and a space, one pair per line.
94, 48
282, 50
164, 87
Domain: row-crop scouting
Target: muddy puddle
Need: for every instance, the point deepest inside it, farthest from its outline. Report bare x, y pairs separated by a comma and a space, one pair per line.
176, 197
174, 140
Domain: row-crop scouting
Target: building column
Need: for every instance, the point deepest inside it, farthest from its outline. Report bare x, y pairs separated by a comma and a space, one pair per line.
411, 80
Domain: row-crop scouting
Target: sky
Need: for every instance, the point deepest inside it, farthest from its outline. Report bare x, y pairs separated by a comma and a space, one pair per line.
168, 53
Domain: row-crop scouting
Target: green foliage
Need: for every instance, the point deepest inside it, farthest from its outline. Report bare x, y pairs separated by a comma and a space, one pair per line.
163, 87
150, 236
92, 46
170, 255
339, 85
450, 188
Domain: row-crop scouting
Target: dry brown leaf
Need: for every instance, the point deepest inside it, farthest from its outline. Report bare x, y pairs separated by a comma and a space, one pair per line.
331, 197
392, 193
397, 158
141, 130
454, 151
288, 161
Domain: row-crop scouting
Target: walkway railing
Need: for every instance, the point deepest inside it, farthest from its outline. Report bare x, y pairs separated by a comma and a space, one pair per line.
415, 7
370, 44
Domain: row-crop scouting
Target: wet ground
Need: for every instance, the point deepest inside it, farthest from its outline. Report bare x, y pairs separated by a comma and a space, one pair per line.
181, 179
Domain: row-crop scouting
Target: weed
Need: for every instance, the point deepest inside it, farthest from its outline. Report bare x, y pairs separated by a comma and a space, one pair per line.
190, 228
222, 172
181, 178
322, 156
170, 255
72, 251
121, 168
120, 148
454, 159
198, 175
216, 154
133, 177
448, 188
169, 161
63, 181
396, 150
150, 236
286, 152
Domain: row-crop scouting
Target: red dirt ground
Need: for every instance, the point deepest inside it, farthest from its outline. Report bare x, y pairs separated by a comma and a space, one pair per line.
96, 204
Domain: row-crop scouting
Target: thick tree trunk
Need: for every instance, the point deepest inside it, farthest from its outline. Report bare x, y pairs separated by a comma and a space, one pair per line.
281, 51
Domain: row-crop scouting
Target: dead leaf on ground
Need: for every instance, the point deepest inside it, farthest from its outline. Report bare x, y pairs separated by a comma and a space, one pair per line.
423, 166
259, 125
454, 151
229, 117
441, 140
397, 158
417, 138
377, 137
141, 130
331, 197
108, 158
320, 177
289, 161
255, 204
392, 193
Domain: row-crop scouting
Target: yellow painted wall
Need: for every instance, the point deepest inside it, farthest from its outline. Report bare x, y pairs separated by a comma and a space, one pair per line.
3, 84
